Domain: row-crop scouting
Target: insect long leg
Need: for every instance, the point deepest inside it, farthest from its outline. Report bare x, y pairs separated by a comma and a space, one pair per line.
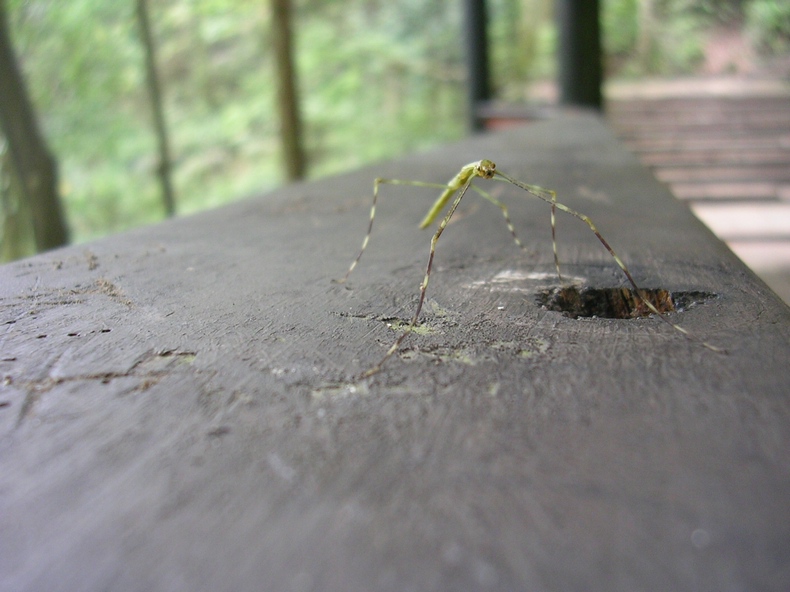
554, 230
365, 241
546, 195
551, 198
424, 285
505, 213
486, 169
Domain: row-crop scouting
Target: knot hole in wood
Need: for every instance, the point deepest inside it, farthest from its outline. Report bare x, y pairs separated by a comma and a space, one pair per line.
617, 303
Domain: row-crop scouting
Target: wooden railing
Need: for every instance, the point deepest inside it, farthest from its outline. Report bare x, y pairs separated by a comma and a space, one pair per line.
181, 409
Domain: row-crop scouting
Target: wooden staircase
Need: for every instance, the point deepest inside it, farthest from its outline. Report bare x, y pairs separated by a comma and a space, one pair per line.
728, 155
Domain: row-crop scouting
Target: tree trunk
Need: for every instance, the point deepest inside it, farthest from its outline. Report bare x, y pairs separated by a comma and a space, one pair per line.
287, 95
165, 164
647, 47
32, 163
17, 237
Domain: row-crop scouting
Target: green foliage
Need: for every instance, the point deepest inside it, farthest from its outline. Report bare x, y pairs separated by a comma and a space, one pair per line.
376, 78
522, 41
379, 81
682, 41
720, 11
769, 24
620, 26
17, 235
82, 63
654, 36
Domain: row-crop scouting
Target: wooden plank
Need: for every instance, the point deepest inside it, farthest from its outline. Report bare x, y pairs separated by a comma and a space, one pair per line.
179, 409
688, 110
703, 119
737, 106
697, 143
704, 130
747, 191
755, 221
707, 174
700, 119
724, 157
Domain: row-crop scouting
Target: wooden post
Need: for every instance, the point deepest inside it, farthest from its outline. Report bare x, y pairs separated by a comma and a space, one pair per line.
580, 71
478, 77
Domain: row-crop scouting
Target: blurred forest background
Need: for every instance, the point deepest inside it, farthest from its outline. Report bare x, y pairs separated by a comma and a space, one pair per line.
375, 78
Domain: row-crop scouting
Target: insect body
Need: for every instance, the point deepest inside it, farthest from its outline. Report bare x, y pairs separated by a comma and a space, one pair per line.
458, 186
484, 168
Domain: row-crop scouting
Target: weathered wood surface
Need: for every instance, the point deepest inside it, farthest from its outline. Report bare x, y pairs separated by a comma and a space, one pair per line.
179, 410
